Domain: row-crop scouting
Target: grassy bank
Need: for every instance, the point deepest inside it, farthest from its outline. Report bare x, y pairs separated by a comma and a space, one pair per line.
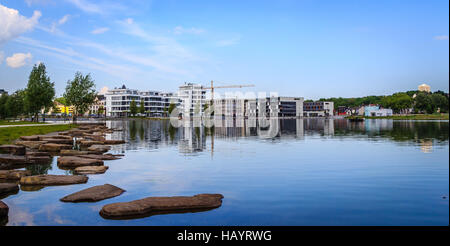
407, 117
9, 134
5, 122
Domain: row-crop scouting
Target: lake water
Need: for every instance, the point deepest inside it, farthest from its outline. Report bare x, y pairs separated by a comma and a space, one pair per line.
312, 172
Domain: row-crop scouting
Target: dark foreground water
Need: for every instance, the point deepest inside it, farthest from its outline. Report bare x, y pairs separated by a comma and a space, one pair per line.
313, 172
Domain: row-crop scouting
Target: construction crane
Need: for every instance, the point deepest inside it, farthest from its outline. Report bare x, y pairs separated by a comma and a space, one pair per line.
221, 87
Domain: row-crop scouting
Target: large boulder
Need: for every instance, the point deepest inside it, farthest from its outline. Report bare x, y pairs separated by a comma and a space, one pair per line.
7, 189
114, 141
53, 180
53, 147
12, 149
91, 170
155, 205
99, 148
99, 157
31, 144
94, 194
14, 174
75, 161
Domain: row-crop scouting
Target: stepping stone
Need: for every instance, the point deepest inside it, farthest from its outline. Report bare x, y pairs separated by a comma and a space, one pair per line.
100, 157
12, 149
71, 152
91, 170
87, 143
114, 141
14, 174
75, 161
53, 147
94, 194
57, 140
39, 159
13, 159
99, 148
154, 205
30, 138
37, 153
7, 189
4, 209
31, 144
53, 180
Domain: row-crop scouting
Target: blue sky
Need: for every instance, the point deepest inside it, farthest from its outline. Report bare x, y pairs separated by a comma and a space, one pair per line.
309, 48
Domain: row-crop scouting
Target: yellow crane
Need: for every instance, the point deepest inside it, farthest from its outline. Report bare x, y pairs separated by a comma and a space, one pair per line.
221, 87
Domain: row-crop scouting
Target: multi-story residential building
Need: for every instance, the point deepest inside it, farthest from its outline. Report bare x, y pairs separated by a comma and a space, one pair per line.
193, 99
318, 108
118, 102
262, 107
99, 103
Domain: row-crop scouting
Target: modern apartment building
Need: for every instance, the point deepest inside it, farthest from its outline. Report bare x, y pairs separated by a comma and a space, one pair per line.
318, 108
192, 99
118, 102
261, 107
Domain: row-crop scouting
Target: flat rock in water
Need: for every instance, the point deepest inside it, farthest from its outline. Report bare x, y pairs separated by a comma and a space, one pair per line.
71, 152
13, 159
4, 209
75, 161
114, 141
6, 188
88, 143
94, 194
99, 148
39, 159
150, 205
53, 179
37, 153
53, 147
30, 138
12, 149
91, 170
57, 140
31, 144
99, 157
14, 174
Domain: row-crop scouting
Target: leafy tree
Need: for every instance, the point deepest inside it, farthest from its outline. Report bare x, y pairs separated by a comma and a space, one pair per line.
439, 102
39, 92
15, 104
80, 93
133, 108
3, 109
423, 102
142, 107
172, 106
397, 101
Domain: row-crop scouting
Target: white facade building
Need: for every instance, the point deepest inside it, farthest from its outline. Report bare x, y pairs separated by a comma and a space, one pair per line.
155, 103
193, 99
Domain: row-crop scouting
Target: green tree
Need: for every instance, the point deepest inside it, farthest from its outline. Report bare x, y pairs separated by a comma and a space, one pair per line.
142, 107
133, 108
439, 102
80, 93
172, 106
101, 110
423, 102
3, 109
39, 92
15, 104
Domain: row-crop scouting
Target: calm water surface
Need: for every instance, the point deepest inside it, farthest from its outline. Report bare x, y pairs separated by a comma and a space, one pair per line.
313, 172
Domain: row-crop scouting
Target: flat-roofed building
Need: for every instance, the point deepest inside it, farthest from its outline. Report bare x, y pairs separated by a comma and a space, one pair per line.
193, 99
318, 109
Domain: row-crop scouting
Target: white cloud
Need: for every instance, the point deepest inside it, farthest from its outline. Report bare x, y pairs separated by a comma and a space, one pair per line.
86, 6
13, 24
64, 19
192, 30
129, 21
99, 7
441, 37
100, 30
228, 42
18, 60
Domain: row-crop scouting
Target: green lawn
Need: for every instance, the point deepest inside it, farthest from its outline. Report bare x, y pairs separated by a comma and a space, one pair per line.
9, 134
5, 122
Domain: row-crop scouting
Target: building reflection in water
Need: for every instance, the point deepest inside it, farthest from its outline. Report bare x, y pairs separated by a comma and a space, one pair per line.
192, 137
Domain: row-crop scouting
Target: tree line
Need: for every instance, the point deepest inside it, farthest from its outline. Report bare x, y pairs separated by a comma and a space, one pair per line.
419, 101
39, 95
